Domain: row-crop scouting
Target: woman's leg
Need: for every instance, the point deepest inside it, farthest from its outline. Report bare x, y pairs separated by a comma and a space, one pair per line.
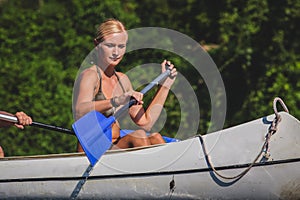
137, 138
79, 147
156, 138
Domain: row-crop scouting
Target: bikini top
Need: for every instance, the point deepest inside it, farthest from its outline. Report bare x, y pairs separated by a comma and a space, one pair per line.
100, 96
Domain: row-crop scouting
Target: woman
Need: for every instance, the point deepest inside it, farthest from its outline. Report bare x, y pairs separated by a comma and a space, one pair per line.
101, 88
23, 120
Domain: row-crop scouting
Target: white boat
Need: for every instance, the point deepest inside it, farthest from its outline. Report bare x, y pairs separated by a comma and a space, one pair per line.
241, 162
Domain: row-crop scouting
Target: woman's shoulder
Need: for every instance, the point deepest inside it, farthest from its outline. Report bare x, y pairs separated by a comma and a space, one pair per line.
88, 73
91, 71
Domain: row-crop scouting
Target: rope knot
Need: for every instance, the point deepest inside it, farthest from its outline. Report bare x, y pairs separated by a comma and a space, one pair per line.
273, 128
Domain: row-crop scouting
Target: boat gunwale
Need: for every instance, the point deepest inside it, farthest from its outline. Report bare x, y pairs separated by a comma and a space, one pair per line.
75, 154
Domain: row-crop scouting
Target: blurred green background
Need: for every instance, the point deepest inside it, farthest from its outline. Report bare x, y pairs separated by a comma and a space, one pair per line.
254, 43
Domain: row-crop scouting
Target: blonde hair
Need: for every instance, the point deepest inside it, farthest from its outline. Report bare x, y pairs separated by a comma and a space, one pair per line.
109, 26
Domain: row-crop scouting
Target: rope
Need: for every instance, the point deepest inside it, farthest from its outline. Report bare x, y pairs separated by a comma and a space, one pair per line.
273, 127
277, 99
238, 175
265, 147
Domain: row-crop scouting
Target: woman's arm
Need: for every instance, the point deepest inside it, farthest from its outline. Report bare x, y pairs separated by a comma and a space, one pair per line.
146, 119
86, 87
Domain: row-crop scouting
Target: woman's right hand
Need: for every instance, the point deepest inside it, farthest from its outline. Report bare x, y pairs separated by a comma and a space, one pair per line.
125, 98
23, 120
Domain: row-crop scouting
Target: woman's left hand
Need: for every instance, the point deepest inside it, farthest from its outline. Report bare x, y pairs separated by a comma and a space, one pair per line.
170, 80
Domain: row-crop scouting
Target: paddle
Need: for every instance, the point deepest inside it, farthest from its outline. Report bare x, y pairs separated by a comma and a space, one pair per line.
14, 119
93, 130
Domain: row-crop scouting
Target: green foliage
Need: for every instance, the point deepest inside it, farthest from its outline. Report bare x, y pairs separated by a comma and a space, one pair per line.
254, 43
260, 57
42, 46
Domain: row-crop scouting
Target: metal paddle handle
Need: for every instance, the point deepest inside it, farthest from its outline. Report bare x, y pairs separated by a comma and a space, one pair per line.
14, 119
152, 84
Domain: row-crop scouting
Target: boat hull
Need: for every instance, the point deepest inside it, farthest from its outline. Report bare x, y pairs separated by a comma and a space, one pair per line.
181, 170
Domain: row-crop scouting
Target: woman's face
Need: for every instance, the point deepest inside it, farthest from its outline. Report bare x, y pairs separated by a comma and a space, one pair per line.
113, 48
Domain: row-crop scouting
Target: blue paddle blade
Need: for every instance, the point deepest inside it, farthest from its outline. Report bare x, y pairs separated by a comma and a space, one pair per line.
169, 139
93, 131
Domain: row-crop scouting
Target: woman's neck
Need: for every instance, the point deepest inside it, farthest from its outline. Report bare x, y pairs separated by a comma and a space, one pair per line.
107, 68
109, 71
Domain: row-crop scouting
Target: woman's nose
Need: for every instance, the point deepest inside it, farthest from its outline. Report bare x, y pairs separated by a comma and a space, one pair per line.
115, 51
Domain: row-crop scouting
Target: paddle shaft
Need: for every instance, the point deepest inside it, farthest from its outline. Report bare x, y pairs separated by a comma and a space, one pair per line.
154, 83
37, 124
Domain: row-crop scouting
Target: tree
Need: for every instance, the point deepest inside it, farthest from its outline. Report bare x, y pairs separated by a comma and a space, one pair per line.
254, 43
42, 46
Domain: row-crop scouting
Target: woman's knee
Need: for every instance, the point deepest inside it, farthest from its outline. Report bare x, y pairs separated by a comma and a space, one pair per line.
156, 138
139, 138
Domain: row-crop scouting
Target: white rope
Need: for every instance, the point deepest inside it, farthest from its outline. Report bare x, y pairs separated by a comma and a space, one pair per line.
265, 148
277, 99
